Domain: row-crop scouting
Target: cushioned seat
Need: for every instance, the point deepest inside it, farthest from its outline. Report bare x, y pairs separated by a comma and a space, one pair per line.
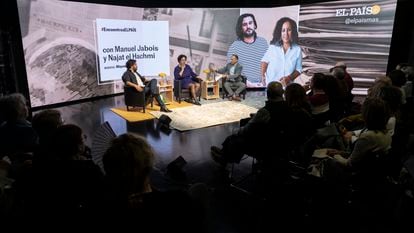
134, 98
180, 92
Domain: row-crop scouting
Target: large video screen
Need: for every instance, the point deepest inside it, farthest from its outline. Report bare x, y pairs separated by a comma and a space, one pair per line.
78, 50
355, 32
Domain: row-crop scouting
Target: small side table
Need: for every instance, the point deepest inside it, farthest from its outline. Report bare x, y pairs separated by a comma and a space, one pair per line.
166, 90
205, 85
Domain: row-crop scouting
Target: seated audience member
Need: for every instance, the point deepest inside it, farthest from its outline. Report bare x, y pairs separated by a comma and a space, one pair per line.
300, 126
392, 98
128, 163
409, 74
337, 91
407, 110
360, 172
299, 110
398, 79
17, 137
232, 73
378, 84
252, 139
133, 79
189, 79
64, 183
318, 99
45, 124
373, 139
339, 72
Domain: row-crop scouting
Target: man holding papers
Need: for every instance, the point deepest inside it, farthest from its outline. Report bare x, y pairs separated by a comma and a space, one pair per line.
231, 73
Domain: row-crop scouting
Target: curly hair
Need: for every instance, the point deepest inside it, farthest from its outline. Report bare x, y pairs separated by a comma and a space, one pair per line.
130, 63
180, 57
278, 31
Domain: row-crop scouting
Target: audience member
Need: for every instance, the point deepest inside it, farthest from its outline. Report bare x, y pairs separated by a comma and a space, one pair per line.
373, 139
347, 77
128, 163
339, 72
398, 79
337, 91
319, 101
45, 124
408, 86
300, 126
252, 139
63, 183
17, 137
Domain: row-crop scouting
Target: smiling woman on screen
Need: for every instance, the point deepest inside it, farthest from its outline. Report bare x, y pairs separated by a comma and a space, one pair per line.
283, 59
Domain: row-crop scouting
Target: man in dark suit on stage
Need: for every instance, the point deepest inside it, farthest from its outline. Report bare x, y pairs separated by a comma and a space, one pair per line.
133, 79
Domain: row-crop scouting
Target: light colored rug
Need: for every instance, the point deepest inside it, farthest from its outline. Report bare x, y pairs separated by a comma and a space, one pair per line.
195, 117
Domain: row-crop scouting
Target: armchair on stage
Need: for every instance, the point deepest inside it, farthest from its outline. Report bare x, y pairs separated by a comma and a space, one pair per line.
180, 92
242, 94
134, 98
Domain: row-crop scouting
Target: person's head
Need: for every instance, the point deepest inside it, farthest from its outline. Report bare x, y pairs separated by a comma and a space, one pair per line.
409, 72
397, 78
234, 59
295, 95
318, 81
46, 122
131, 64
275, 91
68, 142
401, 65
375, 90
375, 114
392, 96
14, 107
286, 31
128, 162
246, 26
339, 64
338, 72
182, 59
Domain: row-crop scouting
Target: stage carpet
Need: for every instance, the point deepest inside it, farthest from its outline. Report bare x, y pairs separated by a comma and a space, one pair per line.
138, 115
195, 117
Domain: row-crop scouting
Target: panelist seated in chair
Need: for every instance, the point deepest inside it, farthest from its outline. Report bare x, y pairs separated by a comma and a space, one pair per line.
234, 84
189, 79
133, 79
